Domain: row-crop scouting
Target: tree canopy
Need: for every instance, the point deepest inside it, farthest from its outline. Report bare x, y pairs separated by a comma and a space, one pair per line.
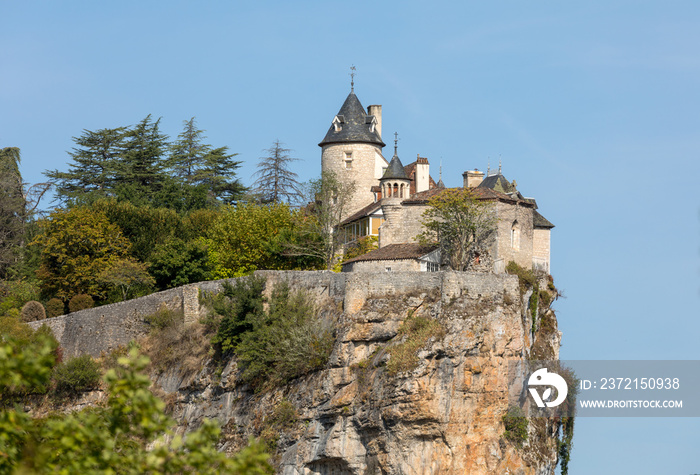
276, 182
461, 225
139, 164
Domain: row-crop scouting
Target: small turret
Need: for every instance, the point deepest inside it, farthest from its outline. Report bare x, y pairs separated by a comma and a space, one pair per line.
394, 182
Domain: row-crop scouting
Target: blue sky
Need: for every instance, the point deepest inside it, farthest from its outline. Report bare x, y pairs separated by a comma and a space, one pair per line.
593, 109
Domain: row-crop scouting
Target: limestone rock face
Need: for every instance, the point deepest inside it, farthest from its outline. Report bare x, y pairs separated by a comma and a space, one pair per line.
440, 414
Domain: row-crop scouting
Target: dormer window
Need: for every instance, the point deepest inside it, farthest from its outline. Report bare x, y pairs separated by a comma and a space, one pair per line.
372, 122
338, 122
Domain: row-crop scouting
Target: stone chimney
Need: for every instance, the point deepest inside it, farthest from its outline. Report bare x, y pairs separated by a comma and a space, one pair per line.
422, 175
472, 178
376, 111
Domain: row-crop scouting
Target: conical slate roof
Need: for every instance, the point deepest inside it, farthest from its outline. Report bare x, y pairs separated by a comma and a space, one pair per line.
355, 125
395, 169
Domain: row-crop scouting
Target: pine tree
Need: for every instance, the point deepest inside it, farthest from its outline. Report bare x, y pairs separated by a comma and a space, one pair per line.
275, 181
12, 209
218, 174
188, 152
95, 163
142, 162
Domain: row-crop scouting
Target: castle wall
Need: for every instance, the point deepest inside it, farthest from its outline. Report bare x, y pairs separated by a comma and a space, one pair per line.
521, 250
100, 330
398, 265
365, 171
402, 223
540, 248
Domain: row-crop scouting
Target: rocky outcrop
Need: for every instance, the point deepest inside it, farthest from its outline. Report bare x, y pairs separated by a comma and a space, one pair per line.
379, 409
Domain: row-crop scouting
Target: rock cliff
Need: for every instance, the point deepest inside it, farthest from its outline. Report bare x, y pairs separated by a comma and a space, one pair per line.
416, 384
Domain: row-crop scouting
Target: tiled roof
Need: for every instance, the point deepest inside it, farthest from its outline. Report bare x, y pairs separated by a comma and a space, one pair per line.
366, 211
395, 252
355, 125
479, 194
540, 221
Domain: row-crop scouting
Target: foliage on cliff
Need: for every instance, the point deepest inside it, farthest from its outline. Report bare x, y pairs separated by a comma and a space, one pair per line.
129, 434
274, 345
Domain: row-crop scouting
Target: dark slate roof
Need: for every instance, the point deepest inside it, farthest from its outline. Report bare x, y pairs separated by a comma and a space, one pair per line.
395, 169
366, 211
497, 182
395, 252
355, 125
540, 221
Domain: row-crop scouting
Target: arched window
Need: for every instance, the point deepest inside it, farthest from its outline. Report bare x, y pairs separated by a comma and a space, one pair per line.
396, 189
515, 235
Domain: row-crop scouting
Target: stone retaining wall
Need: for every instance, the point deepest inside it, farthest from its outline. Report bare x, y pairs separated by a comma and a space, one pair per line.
100, 330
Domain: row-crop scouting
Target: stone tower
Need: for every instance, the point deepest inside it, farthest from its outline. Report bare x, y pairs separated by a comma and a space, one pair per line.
352, 150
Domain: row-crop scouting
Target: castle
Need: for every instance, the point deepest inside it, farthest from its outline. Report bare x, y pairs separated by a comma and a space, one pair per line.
390, 198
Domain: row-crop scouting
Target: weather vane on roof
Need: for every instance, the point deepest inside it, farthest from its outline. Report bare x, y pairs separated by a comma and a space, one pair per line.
396, 142
352, 78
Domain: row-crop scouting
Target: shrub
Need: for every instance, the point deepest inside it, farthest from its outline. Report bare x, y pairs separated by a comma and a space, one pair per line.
163, 318
33, 311
22, 341
545, 298
516, 425
289, 340
76, 375
526, 277
283, 417
238, 304
80, 302
55, 308
415, 331
15, 293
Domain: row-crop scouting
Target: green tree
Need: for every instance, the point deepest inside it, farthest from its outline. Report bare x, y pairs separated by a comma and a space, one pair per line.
188, 151
131, 434
462, 225
218, 175
145, 226
177, 262
12, 210
245, 238
141, 168
126, 275
76, 246
276, 182
319, 223
95, 161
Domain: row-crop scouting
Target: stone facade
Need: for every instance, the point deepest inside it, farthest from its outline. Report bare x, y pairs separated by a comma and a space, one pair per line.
514, 234
402, 222
357, 163
541, 249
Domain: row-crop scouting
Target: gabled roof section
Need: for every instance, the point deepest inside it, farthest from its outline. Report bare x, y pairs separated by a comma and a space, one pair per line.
366, 211
395, 169
485, 194
540, 221
395, 252
498, 183
353, 125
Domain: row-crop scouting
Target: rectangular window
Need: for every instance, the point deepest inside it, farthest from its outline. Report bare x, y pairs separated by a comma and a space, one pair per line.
388, 269
348, 160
